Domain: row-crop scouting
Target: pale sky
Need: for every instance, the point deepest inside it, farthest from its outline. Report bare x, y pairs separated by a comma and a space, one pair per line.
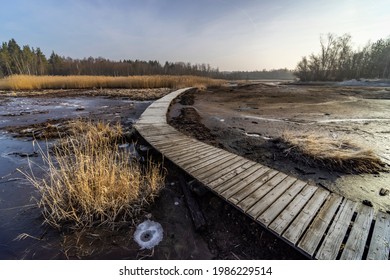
232, 35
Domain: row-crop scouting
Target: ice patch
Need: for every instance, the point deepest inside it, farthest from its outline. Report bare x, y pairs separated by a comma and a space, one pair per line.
257, 135
148, 234
366, 82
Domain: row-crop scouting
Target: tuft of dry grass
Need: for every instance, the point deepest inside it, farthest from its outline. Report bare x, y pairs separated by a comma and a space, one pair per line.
91, 182
30, 82
320, 149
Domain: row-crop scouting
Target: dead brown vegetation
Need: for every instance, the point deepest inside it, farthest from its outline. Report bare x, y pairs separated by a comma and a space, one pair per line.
340, 154
91, 182
30, 82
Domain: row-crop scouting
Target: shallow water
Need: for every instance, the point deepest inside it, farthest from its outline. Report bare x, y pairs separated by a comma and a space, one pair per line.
22, 235
21, 111
18, 211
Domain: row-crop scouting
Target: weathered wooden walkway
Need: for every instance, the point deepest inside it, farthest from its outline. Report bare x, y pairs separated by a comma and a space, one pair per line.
321, 224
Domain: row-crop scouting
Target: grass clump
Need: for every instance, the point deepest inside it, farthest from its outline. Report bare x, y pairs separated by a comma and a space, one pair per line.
339, 154
91, 182
30, 82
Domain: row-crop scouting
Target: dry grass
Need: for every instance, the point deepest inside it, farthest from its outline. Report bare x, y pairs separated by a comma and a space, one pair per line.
320, 149
27, 82
92, 182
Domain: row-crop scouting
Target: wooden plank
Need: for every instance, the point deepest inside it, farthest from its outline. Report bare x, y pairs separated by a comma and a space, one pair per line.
380, 241
292, 210
204, 174
260, 206
226, 168
330, 247
156, 107
199, 148
189, 156
314, 234
255, 196
152, 120
179, 147
170, 146
162, 104
232, 175
182, 147
246, 177
149, 128
196, 154
204, 160
163, 138
250, 188
166, 140
147, 134
206, 164
277, 207
154, 111
303, 219
354, 248
156, 130
237, 183
167, 143
153, 127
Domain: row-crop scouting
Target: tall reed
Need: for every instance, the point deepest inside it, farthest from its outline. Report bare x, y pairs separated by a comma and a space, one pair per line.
29, 82
91, 182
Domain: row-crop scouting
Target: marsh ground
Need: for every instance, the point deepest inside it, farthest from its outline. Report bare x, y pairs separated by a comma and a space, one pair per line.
247, 119
39, 115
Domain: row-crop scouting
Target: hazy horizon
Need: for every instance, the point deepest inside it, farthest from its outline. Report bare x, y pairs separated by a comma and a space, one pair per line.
231, 35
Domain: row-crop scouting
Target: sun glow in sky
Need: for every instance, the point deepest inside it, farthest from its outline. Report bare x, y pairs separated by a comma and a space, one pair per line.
229, 34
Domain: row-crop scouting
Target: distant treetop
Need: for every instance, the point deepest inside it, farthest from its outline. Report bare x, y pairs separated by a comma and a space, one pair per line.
337, 60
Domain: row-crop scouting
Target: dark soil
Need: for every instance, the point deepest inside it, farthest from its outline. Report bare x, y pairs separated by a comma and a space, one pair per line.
249, 120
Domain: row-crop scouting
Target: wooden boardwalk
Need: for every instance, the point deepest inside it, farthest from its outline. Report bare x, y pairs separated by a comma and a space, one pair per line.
321, 224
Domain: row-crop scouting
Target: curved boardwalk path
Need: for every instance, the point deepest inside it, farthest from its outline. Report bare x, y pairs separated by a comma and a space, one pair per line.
321, 224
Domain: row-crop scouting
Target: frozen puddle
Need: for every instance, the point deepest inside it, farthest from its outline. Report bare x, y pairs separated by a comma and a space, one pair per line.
148, 234
317, 121
351, 120
257, 135
273, 120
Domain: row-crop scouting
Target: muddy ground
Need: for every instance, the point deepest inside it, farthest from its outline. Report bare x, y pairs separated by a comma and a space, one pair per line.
248, 120
228, 234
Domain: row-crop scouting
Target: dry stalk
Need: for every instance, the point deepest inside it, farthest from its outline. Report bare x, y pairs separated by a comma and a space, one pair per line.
91, 182
319, 149
30, 82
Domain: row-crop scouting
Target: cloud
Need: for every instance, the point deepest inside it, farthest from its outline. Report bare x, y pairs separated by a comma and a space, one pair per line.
226, 33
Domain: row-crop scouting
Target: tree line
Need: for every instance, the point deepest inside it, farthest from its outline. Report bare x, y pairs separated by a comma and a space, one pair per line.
275, 74
337, 60
25, 60
31, 61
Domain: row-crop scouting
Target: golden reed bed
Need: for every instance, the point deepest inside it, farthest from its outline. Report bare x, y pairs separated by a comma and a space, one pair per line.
28, 82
